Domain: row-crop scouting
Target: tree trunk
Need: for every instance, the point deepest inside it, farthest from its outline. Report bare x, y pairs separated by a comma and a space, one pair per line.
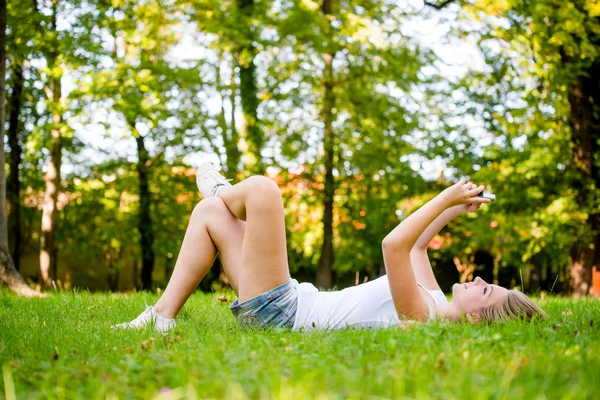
229, 133
325, 266
48, 251
145, 220
584, 98
8, 274
3, 226
231, 144
14, 188
249, 91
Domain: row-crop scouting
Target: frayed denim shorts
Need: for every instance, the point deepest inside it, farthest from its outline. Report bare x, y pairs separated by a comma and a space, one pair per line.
275, 308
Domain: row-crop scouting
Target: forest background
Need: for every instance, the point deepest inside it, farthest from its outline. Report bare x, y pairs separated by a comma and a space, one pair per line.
360, 111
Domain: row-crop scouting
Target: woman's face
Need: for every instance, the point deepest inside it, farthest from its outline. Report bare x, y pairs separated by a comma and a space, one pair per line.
473, 296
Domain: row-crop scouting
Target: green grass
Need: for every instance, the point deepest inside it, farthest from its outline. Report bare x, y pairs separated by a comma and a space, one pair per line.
62, 347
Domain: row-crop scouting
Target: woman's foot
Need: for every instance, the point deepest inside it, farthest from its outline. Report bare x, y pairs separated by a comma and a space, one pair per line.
149, 318
209, 180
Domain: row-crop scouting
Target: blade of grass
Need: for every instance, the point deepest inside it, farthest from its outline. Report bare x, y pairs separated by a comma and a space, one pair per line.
9, 384
522, 284
552, 288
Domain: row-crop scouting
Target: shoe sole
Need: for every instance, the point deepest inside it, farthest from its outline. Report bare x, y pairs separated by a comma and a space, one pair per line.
202, 168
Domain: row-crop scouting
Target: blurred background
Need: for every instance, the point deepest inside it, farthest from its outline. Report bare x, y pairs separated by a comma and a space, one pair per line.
360, 111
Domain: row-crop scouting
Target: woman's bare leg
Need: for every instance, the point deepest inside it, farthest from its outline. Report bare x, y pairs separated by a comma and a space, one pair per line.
212, 228
257, 200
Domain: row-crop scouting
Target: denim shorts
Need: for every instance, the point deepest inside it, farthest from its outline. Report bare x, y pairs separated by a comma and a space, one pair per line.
275, 308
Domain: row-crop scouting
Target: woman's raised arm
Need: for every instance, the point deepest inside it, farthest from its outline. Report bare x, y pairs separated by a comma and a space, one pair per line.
418, 255
397, 246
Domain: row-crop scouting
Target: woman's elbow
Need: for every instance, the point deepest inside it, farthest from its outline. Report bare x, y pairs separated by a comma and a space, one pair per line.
419, 247
394, 244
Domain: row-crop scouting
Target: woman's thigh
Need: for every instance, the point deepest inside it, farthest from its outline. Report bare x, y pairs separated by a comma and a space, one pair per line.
264, 251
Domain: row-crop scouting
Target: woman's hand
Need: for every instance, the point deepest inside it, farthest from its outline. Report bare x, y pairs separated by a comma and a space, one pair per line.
463, 194
467, 208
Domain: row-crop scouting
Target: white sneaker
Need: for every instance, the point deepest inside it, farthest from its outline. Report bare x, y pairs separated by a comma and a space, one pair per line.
149, 318
209, 180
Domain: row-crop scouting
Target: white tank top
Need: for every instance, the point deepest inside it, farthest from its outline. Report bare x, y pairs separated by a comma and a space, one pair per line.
368, 305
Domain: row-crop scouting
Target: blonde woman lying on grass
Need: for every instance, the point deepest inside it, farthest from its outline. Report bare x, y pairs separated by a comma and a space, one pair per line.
244, 223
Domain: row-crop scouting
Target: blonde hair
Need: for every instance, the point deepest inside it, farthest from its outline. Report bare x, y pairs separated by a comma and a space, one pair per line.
515, 305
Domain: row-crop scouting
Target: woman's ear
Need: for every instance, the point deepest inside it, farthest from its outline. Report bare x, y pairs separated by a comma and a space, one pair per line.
473, 318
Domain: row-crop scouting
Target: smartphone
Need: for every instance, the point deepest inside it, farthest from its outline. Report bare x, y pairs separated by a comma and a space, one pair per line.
490, 196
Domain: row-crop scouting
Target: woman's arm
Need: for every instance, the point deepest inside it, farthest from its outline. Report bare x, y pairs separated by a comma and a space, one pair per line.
441, 221
418, 255
398, 244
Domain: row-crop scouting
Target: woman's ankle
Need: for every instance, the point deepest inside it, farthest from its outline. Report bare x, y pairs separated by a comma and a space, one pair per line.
220, 190
164, 312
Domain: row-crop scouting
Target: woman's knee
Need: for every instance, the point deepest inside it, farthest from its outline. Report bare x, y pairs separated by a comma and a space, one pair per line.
209, 207
264, 187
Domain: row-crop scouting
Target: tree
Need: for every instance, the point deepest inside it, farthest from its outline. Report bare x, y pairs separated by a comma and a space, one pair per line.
48, 251
324, 268
245, 56
349, 77
554, 50
233, 29
149, 95
15, 105
23, 117
8, 274
15, 160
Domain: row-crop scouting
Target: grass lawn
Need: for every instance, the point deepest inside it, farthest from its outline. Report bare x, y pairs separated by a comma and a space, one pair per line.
62, 347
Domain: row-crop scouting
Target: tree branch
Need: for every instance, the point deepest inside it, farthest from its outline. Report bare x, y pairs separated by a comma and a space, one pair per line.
215, 148
153, 159
439, 6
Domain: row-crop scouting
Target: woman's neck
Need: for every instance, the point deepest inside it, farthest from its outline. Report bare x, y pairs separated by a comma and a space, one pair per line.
449, 312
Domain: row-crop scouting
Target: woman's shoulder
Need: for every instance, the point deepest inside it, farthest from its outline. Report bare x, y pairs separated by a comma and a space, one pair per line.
436, 294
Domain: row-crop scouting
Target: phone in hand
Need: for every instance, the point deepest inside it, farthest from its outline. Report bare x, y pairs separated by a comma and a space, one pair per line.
490, 196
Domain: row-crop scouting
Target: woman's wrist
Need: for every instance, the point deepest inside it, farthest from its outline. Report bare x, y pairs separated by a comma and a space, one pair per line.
444, 199
445, 216
449, 214
455, 210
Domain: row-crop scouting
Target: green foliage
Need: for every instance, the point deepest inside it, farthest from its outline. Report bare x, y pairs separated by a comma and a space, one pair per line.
127, 75
99, 222
534, 54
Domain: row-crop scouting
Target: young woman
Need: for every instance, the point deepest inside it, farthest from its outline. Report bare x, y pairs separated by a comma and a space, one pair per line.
244, 223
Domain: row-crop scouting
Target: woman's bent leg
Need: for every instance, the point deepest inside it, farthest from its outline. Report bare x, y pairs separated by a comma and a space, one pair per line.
212, 228
257, 200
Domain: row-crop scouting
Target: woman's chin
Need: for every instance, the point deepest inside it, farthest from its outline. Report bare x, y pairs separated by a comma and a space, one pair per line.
454, 287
